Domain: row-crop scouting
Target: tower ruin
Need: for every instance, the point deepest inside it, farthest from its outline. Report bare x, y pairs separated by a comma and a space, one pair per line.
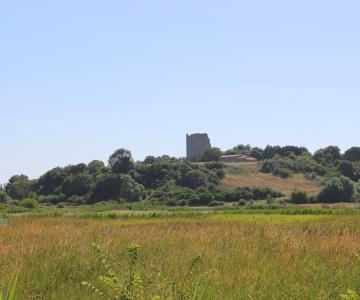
196, 145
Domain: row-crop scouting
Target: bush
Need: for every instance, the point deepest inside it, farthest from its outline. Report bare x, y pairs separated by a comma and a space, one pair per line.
4, 197
283, 172
337, 189
194, 179
242, 202
299, 197
29, 203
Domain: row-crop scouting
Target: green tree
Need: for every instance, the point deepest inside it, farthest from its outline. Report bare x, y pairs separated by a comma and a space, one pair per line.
352, 154
18, 187
327, 155
346, 169
79, 184
257, 153
96, 166
194, 179
212, 154
337, 189
116, 187
299, 197
50, 183
121, 161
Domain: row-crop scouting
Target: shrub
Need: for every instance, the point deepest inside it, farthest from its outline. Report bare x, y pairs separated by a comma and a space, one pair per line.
299, 197
337, 189
194, 179
4, 197
29, 203
283, 172
242, 202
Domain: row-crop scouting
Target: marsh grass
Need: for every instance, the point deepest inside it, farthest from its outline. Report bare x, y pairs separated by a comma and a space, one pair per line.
244, 256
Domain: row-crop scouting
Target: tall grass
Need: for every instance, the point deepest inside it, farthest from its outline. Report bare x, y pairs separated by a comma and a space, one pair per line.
10, 294
244, 256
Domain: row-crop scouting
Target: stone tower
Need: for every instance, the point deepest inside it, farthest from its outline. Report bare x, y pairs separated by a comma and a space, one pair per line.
196, 145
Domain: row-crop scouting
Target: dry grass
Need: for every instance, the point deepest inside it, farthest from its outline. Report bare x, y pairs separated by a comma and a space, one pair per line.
247, 175
246, 256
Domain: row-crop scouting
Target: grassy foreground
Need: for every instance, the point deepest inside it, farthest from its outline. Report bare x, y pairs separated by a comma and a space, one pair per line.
244, 256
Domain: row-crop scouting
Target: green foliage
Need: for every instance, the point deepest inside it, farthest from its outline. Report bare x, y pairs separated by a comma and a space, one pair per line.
194, 179
272, 151
18, 187
337, 189
29, 203
131, 285
328, 155
346, 169
50, 183
299, 197
116, 187
239, 149
79, 184
121, 161
96, 167
213, 154
352, 154
285, 166
257, 153
4, 197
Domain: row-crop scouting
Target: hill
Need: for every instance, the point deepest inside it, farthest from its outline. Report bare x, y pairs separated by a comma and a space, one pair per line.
247, 175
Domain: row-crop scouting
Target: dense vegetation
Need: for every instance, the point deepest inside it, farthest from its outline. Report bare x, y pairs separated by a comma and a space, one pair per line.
173, 181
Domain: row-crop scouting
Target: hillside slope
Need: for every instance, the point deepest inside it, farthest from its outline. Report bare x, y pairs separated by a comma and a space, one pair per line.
248, 175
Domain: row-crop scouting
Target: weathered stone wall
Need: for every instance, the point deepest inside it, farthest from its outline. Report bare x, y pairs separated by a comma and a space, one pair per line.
196, 145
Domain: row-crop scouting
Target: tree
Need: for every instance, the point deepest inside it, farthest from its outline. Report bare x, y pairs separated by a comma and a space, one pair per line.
121, 161
18, 187
337, 189
116, 187
271, 151
212, 154
96, 166
50, 183
242, 149
149, 159
299, 197
352, 154
79, 184
346, 169
257, 153
327, 155
194, 179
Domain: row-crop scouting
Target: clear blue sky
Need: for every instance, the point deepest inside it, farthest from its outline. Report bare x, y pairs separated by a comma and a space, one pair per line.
79, 79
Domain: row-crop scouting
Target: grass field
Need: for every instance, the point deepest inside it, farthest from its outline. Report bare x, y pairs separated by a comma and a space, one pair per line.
244, 256
247, 175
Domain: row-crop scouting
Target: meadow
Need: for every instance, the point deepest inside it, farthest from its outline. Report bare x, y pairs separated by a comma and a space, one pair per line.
243, 256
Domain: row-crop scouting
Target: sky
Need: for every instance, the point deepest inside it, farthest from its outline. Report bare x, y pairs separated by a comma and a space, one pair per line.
79, 79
